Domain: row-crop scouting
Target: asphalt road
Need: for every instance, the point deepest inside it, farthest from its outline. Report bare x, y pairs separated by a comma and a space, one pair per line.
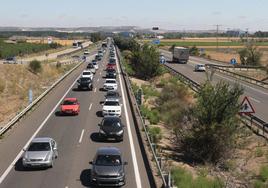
258, 96
76, 138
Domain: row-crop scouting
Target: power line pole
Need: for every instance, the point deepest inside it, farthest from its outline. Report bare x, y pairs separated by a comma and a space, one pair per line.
217, 37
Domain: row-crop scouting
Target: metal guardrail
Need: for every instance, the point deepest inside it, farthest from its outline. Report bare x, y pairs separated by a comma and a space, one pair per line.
39, 98
164, 176
241, 77
253, 122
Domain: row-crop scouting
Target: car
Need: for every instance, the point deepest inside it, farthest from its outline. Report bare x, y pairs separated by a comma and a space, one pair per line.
70, 106
95, 64
108, 168
86, 52
87, 74
91, 67
85, 83
100, 53
111, 127
112, 96
10, 60
111, 108
199, 68
110, 84
162, 59
41, 152
98, 58
110, 73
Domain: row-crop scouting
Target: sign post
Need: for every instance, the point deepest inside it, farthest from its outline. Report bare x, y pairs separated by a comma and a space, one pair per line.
233, 61
246, 107
30, 96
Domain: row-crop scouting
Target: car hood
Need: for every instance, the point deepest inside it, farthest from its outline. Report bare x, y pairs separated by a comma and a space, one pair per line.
108, 170
69, 107
111, 108
37, 154
110, 84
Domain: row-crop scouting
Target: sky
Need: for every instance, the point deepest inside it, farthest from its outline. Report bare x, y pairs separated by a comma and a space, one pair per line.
166, 14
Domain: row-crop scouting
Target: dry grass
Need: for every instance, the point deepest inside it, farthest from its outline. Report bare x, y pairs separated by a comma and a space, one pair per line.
15, 82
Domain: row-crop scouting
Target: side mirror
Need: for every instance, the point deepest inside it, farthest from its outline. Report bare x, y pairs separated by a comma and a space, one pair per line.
99, 125
121, 104
125, 163
78, 81
90, 162
55, 148
23, 149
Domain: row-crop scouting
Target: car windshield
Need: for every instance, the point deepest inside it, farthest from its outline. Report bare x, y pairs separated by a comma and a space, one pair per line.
39, 146
84, 79
112, 61
110, 81
111, 122
68, 102
111, 103
108, 160
94, 63
112, 94
86, 73
90, 66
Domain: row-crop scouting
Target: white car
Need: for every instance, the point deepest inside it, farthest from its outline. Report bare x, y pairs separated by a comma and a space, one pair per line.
95, 64
200, 67
87, 74
111, 108
110, 85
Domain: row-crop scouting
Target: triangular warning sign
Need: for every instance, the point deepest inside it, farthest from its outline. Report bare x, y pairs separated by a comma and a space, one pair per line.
246, 107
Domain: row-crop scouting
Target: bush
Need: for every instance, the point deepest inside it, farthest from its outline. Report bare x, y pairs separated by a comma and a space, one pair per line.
152, 115
194, 51
35, 66
185, 179
156, 134
259, 152
149, 91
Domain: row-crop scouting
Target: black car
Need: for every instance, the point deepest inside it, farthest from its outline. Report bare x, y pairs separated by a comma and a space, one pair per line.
111, 73
98, 58
112, 61
111, 127
108, 167
85, 83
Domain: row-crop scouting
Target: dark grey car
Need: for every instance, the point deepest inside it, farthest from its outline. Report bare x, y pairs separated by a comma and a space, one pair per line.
112, 96
108, 167
111, 127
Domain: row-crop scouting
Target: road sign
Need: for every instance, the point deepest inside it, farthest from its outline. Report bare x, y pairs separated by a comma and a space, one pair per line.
156, 41
30, 96
233, 61
246, 107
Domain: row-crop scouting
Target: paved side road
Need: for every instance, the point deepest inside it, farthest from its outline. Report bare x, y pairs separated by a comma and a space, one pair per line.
76, 137
52, 55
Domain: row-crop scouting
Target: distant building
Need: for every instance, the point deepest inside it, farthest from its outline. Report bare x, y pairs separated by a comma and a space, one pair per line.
235, 33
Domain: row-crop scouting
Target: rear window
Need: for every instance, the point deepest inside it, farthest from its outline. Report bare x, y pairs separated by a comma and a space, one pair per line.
111, 81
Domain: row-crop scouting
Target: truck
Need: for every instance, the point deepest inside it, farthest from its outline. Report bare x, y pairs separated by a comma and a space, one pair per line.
180, 55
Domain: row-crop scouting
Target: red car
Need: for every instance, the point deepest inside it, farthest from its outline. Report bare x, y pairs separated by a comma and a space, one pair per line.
110, 66
70, 106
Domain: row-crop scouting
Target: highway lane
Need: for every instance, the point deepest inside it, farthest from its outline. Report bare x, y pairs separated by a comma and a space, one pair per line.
258, 96
76, 149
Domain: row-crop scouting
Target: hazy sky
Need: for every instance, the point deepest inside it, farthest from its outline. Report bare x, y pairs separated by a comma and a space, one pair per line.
167, 14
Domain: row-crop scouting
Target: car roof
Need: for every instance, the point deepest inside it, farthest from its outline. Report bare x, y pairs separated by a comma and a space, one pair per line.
108, 151
42, 139
70, 99
86, 71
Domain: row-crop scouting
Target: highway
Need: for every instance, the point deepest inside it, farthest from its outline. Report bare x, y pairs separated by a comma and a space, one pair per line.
258, 96
76, 137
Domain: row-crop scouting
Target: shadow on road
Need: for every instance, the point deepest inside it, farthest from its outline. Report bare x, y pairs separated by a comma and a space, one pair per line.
99, 113
95, 137
85, 178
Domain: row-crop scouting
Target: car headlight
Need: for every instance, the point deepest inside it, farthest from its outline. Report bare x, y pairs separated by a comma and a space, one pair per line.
25, 159
120, 132
47, 158
102, 132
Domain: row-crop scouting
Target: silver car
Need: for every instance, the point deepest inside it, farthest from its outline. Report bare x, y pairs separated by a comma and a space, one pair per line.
41, 153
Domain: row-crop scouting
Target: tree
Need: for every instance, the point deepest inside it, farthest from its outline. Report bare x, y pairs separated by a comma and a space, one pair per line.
250, 55
35, 66
194, 51
213, 123
95, 37
145, 62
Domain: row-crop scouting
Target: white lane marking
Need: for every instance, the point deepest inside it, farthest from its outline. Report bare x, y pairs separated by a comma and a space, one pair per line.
98, 79
95, 90
90, 107
133, 152
243, 85
255, 100
81, 136
3, 176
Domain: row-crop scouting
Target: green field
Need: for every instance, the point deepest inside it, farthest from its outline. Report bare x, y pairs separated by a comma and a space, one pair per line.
185, 43
22, 48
